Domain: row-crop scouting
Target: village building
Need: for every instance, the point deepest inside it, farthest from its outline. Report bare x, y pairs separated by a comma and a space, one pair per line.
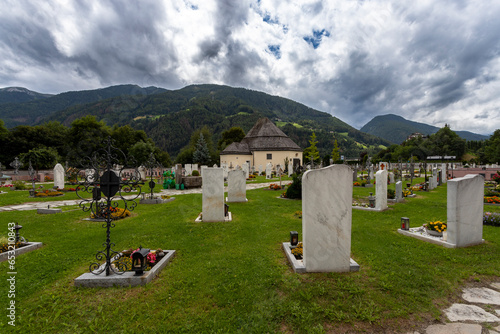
263, 144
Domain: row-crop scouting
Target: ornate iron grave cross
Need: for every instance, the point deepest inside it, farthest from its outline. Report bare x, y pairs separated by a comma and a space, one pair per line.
103, 176
16, 164
150, 165
32, 174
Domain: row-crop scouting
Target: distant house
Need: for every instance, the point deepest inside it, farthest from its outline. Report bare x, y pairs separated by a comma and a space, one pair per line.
263, 144
416, 135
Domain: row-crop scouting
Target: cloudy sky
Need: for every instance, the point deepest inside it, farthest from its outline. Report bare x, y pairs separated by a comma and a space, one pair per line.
429, 61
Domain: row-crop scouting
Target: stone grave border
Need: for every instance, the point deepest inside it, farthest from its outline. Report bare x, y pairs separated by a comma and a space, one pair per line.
298, 265
246, 200
415, 232
48, 211
23, 250
227, 219
156, 200
128, 278
369, 209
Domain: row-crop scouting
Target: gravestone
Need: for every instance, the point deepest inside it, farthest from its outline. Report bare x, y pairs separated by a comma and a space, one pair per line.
269, 168
202, 168
465, 210
370, 174
213, 195
178, 174
444, 173
236, 186
326, 219
435, 177
59, 176
399, 192
260, 169
188, 168
194, 167
381, 190
355, 175
224, 168
246, 169
290, 169
391, 177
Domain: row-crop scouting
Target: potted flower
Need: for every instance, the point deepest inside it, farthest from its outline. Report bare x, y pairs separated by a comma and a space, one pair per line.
435, 228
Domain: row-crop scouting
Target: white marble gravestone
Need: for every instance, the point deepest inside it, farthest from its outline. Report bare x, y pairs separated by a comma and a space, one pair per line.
326, 219
399, 192
444, 173
188, 168
202, 168
381, 190
59, 176
465, 210
224, 167
246, 169
260, 169
213, 195
290, 169
391, 177
236, 186
269, 168
194, 167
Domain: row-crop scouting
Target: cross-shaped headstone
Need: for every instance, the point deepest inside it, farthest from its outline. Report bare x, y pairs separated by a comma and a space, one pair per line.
16, 164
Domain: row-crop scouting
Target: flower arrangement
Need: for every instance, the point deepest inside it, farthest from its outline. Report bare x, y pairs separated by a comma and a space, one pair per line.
496, 177
116, 213
298, 214
491, 218
48, 179
4, 246
364, 205
48, 193
165, 197
274, 186
407, 193
251, 176
6, 186
437, 226
283, 195
356, 184
298, 251
126, 259
492, 199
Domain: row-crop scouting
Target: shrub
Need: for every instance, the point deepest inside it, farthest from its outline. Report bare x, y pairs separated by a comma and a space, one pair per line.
20, 185
491, 218
391, 193
294, 191
195, 173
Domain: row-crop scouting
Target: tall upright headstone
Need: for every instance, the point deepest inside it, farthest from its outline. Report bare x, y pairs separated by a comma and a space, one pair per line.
399, 192
213, 195
246, 169
269, 168
188, 168
194, 167
260, 169
290, 168
444, 173
59, 176
178, 174
465, 210
236, 186
225, 169
326, 219
381, 190
391, 177
354, 175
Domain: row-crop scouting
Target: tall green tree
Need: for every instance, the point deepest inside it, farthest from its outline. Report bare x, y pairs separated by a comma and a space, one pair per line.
492, 148
235, 134
311, 153
201, 154
41, 158
335, 152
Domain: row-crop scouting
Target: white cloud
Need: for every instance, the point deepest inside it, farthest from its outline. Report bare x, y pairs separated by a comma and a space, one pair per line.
433, 62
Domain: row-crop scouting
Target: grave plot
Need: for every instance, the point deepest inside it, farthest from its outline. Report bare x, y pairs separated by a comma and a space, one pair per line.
213, 207
464, 213
326, 222
105, 180
153, 166
236, 187
379, 203
16, 244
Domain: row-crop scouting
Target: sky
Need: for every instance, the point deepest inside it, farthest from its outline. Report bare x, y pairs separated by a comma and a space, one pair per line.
436, 62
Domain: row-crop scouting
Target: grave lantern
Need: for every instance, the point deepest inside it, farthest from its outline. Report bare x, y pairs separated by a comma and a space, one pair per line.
139, 260
405, 223
226, 210
294, 238
371, 200
17, 227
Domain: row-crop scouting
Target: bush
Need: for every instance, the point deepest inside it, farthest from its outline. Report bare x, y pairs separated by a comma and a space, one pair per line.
491, 218
195, 173
391, 193
20, 185
294, 191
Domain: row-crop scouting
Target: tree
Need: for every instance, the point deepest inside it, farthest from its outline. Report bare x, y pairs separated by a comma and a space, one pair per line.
41, 158
235, 134
141, 151
492, 148
311, 153
445, 142
201, 154
335, 152
86, 135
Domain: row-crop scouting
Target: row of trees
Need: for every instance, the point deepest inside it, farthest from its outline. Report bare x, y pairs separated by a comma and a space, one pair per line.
52, 142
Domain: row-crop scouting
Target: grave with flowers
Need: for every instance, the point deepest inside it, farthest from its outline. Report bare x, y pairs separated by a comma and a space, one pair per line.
464, 214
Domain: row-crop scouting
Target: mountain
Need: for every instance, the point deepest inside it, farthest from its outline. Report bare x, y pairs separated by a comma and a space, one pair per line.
19, 95
396, 129
30, 112
171, 117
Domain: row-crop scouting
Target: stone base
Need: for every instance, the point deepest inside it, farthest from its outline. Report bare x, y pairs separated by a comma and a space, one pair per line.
418, 233
48, 211
298, 265
156, 200
26, 249
368, 209
128, 278
228, 218
227, 201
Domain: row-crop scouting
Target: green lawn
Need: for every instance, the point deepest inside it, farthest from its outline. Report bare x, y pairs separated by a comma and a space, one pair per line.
234, 277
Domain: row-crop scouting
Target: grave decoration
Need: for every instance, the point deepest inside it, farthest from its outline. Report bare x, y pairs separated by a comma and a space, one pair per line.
294, 238
16, 164
108, 188
32, 175
168, 180
405, 223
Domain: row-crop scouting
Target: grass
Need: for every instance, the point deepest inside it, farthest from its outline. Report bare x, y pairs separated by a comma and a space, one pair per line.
234, 277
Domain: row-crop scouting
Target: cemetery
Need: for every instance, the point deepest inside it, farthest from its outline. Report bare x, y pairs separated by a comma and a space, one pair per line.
259, 267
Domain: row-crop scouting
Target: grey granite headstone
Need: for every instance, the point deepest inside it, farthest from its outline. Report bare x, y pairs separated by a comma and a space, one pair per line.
224, 167
213, 195
381, 190
246, 169
391, 177
465, 210
326, 219
399, 192
59, 176
236, 186
444, 173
